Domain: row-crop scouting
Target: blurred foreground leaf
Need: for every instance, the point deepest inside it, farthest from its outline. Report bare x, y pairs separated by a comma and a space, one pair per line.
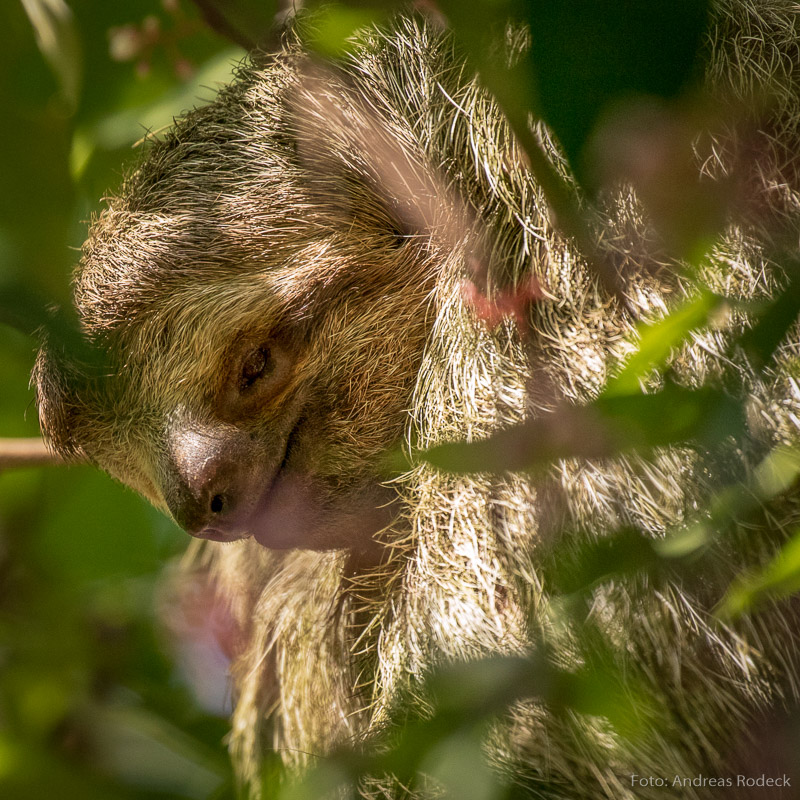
604, 428
334, 24
133, 124
248, 23
625, 552
763, 339
658, 340
774, 475
780, 578
59, 42
463, 700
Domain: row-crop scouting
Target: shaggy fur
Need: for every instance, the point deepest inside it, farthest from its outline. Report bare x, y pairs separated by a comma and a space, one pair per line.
269, 210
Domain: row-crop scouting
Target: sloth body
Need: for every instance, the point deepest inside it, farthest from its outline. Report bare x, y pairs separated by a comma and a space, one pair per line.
277, 313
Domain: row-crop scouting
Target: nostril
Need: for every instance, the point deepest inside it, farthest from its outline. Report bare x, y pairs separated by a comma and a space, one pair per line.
218, 503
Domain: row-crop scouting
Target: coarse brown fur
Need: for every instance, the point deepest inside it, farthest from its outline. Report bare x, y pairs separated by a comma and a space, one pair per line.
266, 215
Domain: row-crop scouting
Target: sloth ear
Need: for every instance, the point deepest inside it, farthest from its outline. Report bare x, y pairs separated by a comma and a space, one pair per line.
61, 386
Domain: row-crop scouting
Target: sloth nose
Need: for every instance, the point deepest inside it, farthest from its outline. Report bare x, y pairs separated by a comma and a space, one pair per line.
205, 512
208, 469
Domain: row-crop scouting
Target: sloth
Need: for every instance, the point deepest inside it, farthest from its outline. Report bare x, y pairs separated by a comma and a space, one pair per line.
286, 287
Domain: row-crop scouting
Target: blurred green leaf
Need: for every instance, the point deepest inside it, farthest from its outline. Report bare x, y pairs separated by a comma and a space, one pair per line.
777, 472
248, 23
458, 764
143, 750
692, 539
59, 41
608, 426
462, 700
658, 340
334, 24
327, 779
625, 552
131, 125
97, 528
761, 341
588, 55
780, 578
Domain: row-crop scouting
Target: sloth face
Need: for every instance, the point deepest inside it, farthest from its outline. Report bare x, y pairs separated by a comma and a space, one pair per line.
262, 320
257, 409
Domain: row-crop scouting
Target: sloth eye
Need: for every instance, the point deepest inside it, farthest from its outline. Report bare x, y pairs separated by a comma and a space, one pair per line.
256, 365
257, 371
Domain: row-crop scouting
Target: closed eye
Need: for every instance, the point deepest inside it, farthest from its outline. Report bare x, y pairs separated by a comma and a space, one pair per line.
256, 365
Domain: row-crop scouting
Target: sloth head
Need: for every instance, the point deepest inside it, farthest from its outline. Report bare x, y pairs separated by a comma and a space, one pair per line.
261, 315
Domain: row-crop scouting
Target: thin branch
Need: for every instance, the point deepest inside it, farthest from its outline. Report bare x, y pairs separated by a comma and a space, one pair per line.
26, 453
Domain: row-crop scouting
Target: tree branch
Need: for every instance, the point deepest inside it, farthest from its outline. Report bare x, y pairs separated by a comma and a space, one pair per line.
26, 453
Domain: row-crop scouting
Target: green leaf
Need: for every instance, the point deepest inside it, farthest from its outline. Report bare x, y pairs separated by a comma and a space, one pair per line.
96, 528
589, 55
460, 766
657, 341
625, 552
761, 341
334, 25
131, 125
780, 578
775, 474
604, 428
59, 43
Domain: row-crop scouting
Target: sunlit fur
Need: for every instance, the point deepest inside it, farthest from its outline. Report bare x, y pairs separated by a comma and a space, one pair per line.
255, 211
